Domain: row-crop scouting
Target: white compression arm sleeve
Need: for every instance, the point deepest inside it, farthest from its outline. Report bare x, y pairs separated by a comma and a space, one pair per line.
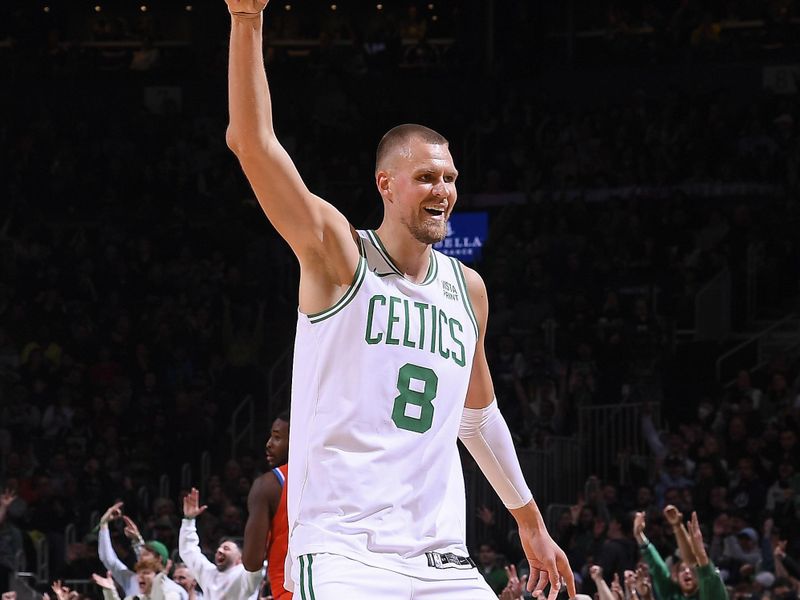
485, 434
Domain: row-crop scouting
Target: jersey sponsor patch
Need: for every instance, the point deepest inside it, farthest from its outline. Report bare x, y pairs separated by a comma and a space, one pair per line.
437, 560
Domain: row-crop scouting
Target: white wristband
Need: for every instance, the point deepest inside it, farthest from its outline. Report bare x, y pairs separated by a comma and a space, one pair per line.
485, 434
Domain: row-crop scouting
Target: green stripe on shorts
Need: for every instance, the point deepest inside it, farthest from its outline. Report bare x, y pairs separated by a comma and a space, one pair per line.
310, 577
302, 579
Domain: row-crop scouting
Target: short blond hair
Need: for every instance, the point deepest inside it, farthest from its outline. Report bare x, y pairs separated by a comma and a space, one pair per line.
397, 136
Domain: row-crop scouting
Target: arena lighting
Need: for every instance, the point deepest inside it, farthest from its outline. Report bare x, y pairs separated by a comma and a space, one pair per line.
188, 8
430, 6
97, 8
435, 18
287, 7
46, 9
333, 7
143, 8
379, 7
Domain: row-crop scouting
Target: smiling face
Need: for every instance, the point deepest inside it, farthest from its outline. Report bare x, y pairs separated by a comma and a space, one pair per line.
418, 184
227, 555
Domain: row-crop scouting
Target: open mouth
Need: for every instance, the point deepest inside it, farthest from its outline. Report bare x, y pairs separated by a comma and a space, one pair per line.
436, 212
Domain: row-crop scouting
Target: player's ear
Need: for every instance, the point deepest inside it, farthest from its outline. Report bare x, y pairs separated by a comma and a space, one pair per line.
384, 182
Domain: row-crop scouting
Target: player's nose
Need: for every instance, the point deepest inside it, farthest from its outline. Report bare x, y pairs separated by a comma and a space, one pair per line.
439, 190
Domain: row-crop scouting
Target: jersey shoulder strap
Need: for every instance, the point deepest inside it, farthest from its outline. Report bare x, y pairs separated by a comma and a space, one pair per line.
280, 476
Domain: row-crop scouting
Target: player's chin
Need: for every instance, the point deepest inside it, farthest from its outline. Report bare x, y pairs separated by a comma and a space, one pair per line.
435, 233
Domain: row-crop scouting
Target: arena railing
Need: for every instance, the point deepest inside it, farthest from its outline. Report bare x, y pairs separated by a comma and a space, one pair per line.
554, 474
18, 582
609, 433
94, 519
279, 376
712, 310
163, 487
553, 515
755, 352
70, 536
42, 550
143, 498
186, 476
240, 432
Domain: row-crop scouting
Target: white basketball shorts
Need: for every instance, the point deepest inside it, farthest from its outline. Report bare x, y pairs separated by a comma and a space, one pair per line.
335, 577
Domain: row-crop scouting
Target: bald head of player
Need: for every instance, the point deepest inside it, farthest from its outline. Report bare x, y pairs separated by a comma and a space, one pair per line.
416, 177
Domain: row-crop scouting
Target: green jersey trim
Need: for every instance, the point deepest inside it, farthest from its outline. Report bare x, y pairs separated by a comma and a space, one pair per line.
433, 265
433, 269
462, 285
358, 279
303, 567
376, 241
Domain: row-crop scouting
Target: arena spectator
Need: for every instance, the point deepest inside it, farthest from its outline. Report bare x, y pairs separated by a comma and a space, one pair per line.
150, 578
225, 578
184, 578
491, 567
130, 580
685, 581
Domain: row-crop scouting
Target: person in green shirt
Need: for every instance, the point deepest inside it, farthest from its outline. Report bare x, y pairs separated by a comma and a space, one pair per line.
701, 582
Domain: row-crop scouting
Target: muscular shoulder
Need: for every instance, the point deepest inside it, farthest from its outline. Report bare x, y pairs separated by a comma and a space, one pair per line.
477, 293
265, 489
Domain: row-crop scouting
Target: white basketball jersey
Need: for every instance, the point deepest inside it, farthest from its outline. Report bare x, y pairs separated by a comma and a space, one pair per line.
378, 390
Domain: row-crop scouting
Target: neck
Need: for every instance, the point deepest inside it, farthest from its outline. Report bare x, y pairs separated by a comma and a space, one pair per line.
409, 255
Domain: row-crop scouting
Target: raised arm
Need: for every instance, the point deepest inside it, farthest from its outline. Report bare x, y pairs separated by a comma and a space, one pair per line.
675, 519
319, 235
105, 550
711, 586
485, 434
663, 585
603, 591
132, 532
261, 504
189, 542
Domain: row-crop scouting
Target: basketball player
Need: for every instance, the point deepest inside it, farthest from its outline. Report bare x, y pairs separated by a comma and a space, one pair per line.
267, 523
389, 369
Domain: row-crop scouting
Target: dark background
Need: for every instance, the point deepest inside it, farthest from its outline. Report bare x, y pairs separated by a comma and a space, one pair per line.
639, 162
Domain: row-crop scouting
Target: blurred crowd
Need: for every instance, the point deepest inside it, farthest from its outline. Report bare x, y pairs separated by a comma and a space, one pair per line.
670, 31
143, 295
